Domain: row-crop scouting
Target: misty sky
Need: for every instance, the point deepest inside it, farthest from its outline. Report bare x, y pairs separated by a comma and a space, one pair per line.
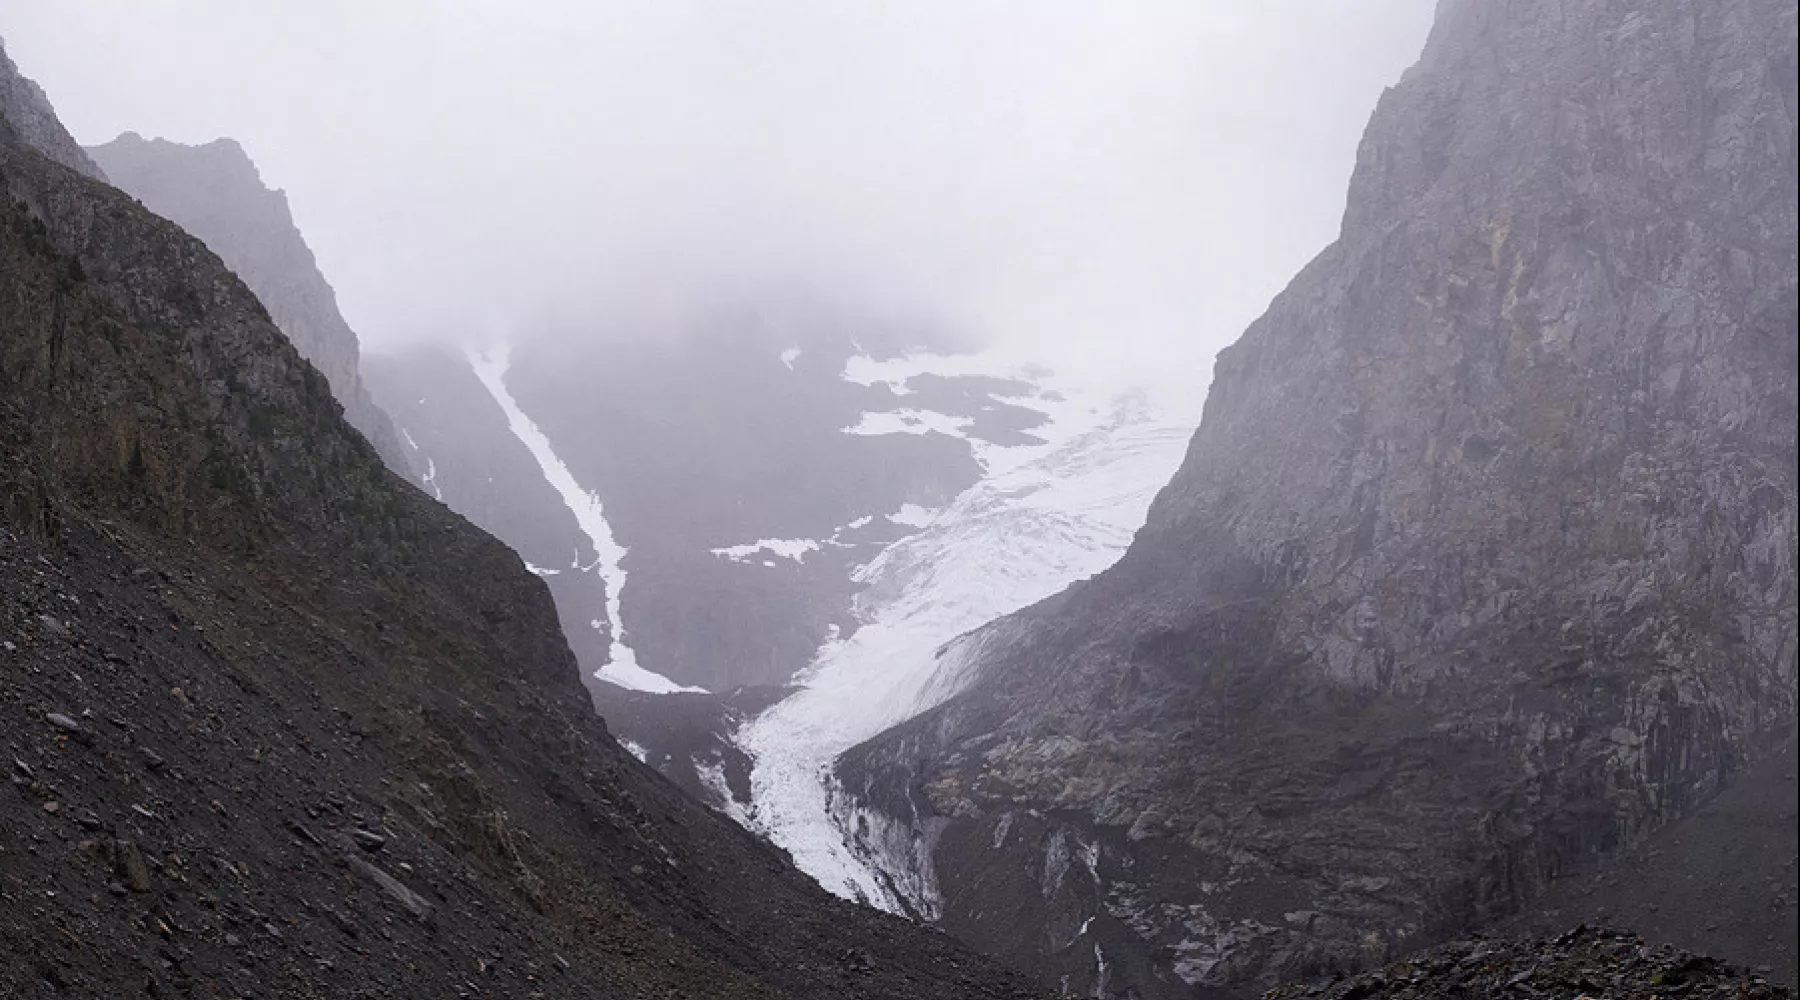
1102, 174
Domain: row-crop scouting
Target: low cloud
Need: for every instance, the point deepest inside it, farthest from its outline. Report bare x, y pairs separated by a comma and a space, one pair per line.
1099, 179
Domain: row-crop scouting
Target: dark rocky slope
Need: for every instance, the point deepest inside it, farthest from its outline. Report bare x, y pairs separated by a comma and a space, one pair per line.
278, 724
468, 458
1481, 563
1582, 962
214, 192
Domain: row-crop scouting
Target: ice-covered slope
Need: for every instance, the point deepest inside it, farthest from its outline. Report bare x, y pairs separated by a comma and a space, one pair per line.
1044, 515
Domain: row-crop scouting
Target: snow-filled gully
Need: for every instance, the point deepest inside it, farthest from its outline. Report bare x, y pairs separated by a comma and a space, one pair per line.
622, 667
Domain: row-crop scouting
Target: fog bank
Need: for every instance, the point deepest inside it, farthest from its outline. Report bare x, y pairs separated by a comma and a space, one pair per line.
1105, 180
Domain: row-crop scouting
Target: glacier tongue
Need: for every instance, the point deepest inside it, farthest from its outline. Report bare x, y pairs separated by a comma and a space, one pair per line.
1044, 516
622, 667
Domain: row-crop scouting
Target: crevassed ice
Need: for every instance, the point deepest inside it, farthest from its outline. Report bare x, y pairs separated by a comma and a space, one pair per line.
1042, 517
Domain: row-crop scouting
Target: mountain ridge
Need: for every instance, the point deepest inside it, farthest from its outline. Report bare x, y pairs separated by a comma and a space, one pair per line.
215, 191
25, 104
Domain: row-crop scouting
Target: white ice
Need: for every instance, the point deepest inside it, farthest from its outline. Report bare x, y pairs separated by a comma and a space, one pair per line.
785, 548
622, 667
634, 748
912, 515
1043, 517
430, 479
910, 422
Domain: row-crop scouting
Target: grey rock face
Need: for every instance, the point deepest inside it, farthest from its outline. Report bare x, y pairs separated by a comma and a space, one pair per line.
214, 192
470, 460
23, 104
1481, 561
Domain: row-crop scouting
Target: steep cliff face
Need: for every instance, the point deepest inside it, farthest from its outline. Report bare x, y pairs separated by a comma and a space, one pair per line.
280, 724
468, 458
214, 192
1481, 561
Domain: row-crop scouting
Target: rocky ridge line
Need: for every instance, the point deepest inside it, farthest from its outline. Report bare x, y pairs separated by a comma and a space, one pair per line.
215, 192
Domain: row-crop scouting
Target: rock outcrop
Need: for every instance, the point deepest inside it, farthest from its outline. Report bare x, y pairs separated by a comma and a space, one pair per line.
279, 724
24, 104
215, 192
1481, 562
468, 458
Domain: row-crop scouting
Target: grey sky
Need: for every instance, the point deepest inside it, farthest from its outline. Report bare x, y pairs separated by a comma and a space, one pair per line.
1100, 173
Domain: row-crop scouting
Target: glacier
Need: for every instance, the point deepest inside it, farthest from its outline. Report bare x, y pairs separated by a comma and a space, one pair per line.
1042, 517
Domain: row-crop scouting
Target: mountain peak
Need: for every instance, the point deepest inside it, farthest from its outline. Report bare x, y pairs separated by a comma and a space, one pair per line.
24, 104
214, 191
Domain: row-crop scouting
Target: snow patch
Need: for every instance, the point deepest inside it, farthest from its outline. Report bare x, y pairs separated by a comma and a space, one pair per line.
789, 356
410, 443
634, 748
784, 548
622, 667
539, 570
712, 776
911, 515
893, 372
910, 422
430, 479
1002, 828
